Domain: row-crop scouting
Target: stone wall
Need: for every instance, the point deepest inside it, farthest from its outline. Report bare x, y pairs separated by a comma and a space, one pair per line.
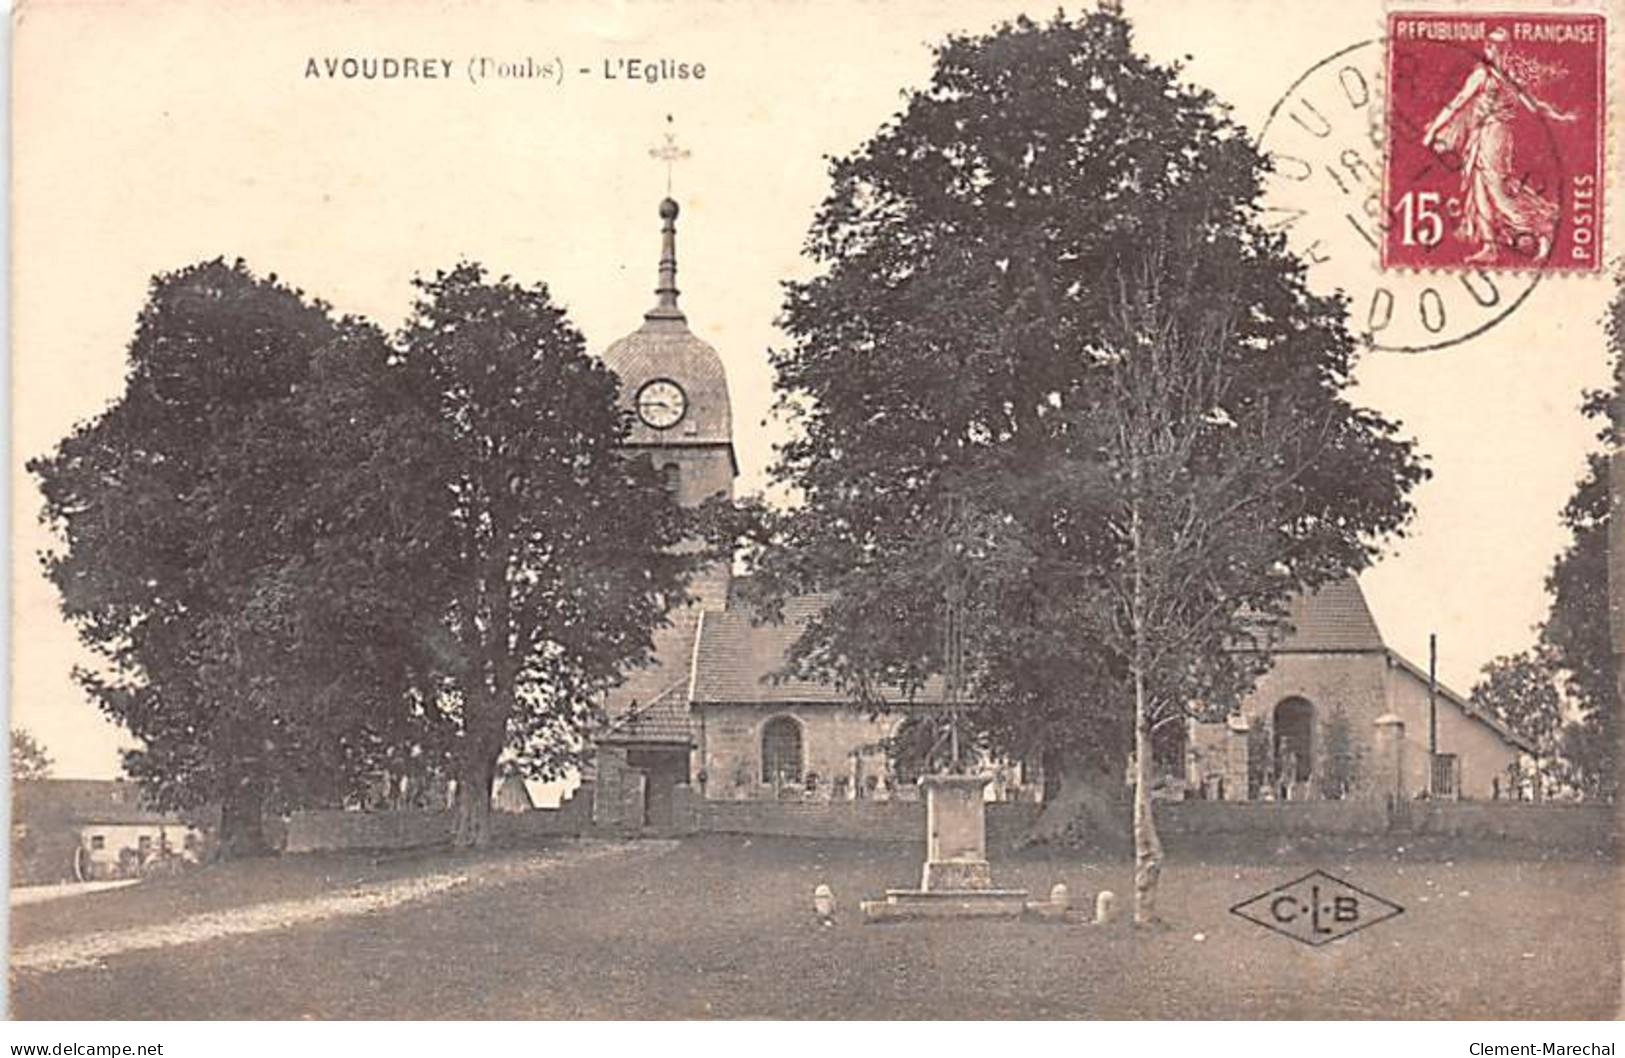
1349, 683
1553, 824
1481, 754
731, 746
1549, 824
335, 829
1007, 821
1363, 687
1272, 817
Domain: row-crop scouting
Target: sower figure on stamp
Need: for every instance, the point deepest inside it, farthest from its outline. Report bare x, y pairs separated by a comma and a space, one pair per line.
1497, 207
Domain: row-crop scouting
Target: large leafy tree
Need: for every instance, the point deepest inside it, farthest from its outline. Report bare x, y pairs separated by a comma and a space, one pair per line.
1054, 370
183, 523
1581, 631
550, 555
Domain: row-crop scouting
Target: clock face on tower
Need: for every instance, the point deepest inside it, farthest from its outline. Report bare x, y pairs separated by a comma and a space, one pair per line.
661, 403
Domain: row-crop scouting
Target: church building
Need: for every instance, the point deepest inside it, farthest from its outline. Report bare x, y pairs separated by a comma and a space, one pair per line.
705, 720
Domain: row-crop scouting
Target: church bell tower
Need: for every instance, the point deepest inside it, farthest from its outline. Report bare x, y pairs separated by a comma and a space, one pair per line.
677, 391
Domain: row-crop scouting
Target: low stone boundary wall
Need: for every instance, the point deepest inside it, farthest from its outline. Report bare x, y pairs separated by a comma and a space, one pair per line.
1550, 824
329, 830
1272, 817
1553, 823
1007, 821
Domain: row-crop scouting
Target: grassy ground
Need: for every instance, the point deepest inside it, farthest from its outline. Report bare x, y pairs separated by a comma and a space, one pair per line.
722, 927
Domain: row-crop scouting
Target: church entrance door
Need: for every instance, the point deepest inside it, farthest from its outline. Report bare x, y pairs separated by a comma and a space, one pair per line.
665, 768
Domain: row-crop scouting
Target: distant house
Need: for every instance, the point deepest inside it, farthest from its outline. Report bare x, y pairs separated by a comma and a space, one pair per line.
79, 829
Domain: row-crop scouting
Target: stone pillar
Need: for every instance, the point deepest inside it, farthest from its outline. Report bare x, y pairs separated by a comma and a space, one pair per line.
1388, 773
608, 805
956, 833
1235, 757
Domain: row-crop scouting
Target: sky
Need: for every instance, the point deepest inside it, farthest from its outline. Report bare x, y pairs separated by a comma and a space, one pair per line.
151, 135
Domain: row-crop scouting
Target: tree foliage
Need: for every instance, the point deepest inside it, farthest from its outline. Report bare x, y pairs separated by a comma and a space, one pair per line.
310, 554
1580, 633
28, 758
1053, 353
181, 519
552, 555
1522, 691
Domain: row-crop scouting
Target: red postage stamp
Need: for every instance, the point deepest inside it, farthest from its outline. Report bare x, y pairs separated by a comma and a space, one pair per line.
1495, 141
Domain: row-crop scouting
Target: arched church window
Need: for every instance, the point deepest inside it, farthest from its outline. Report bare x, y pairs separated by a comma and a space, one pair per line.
1294, 739
781, 750
671, 476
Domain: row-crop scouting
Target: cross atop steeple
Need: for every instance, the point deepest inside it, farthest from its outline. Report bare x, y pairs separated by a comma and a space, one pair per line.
669, 152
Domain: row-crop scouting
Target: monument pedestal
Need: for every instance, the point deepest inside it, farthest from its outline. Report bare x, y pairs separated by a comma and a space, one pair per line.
956, 881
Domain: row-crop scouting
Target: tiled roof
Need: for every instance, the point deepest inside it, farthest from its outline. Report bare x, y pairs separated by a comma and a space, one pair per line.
1333, 618
665, 719
673, 652
737, 659
665, 682
725, 656
83, 801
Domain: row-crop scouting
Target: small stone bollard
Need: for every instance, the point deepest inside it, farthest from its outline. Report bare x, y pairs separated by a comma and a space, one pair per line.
1105, 907
824, 901
1060, 899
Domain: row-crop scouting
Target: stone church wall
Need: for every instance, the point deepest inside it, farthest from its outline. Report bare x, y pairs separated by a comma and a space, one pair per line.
1350, 682
730, 740
1482, 755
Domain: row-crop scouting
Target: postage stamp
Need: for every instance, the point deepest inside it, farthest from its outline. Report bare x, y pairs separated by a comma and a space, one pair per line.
1495, 141
1326, 140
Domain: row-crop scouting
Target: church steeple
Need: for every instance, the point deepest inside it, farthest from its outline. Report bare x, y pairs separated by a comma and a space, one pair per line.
666, 305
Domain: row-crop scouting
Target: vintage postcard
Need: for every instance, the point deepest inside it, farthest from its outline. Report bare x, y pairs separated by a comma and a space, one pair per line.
749, 509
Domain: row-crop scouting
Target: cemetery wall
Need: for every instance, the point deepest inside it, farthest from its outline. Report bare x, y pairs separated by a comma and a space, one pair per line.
1007, 821
1549, 823
1355, 816
329, 830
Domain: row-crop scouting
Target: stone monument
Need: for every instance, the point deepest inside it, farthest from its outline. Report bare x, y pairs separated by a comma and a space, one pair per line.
956, 881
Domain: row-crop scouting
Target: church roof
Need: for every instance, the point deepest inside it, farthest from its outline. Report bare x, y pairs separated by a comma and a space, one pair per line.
1332, 619
726, 657
663, 719
631, 706
737, 660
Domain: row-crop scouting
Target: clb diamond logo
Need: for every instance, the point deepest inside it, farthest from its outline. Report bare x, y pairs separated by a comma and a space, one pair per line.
1317, 909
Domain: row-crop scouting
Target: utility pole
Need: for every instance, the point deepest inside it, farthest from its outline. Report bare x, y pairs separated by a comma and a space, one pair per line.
1433, 714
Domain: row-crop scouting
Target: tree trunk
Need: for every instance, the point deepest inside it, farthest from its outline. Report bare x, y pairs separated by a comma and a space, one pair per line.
476, 774
472, 829
1085, 797
242, 822
1147, 846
